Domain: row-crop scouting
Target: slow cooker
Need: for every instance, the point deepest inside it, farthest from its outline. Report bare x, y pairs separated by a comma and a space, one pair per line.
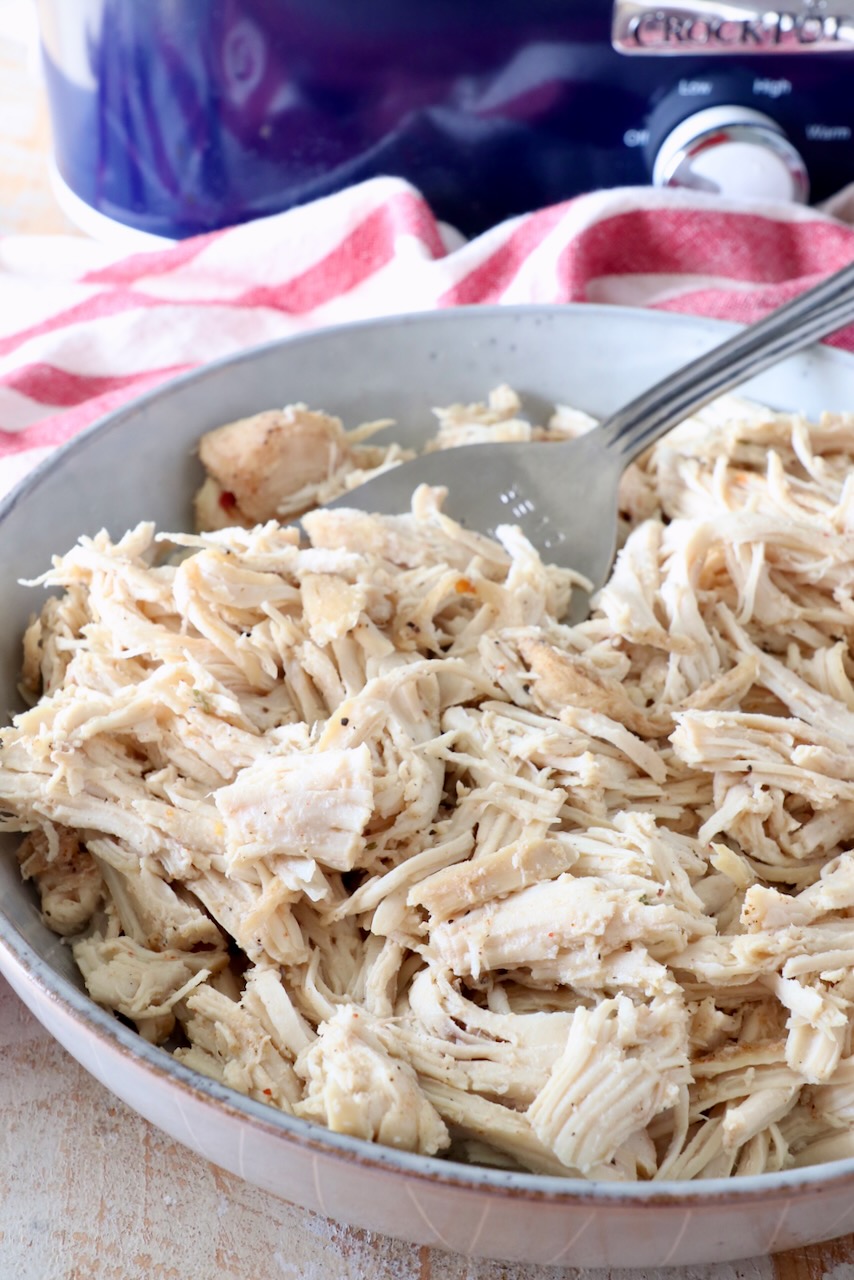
175, 117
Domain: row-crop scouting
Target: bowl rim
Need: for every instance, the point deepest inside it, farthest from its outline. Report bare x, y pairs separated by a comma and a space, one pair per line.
308, 1135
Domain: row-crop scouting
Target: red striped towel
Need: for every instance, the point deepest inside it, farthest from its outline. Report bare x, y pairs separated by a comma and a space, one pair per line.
83, 330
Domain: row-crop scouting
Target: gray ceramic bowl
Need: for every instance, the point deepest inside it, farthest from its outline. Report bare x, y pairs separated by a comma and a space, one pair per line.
139, 463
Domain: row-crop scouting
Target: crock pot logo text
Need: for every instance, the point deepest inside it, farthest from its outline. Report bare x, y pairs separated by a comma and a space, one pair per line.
669, 28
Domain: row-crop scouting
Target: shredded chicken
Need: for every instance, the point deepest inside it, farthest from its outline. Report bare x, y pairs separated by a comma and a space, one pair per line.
359, 826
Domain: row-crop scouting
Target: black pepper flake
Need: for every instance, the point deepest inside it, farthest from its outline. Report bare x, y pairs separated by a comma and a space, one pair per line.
345, 720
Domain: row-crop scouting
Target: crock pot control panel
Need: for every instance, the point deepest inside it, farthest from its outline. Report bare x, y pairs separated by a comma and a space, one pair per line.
733, 118
749, 134
733, 151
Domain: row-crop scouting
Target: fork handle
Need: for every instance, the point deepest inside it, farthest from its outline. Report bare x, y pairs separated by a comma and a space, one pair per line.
821, 310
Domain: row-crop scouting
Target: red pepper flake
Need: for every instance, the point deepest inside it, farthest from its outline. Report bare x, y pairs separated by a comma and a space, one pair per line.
227, 500
465, 588
269, 1092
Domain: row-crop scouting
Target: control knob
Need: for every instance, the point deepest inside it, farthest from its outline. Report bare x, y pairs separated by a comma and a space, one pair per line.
733, 151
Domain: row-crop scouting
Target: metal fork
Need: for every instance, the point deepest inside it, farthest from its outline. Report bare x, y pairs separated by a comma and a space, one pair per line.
564, 495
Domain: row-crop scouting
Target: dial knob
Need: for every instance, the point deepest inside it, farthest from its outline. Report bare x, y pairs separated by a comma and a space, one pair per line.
733, 151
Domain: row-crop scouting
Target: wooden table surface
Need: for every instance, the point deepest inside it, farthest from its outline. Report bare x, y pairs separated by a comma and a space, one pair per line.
89, 1190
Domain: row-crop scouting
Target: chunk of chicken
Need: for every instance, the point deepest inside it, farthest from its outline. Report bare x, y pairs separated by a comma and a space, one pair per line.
234, 1041
569, 913
307, 805
67, 877
354, 1086
622, 1066
256, 464
139, 982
